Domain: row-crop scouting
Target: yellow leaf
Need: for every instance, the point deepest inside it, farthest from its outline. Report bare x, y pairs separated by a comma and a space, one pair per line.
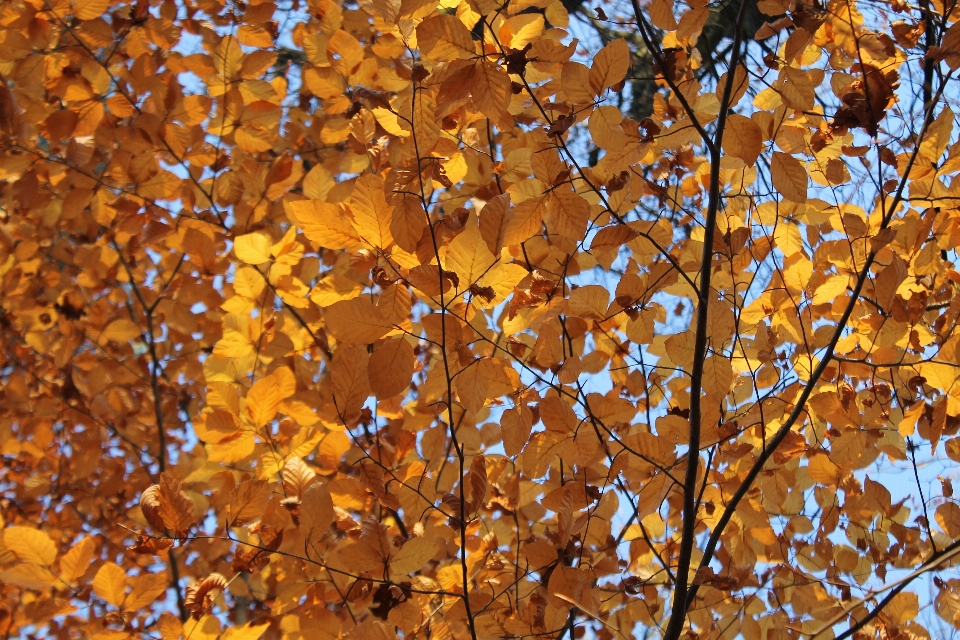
491, 90
610, 66
605, 128
412, 556
355, 321
789, 177
717, 376
538, 554
742, 139
940, 375
391, 367
110, 583
557, 415
524, 221
831, 289
75, 562
948, 517
589, 302
30, 545
89, 9
146, 588
216, 427
333, 289
347, 493
348, 374
661, 15
515, 426
318, 182
323, 223
316, 512
503, 277
28, 576
121, 330
253, 248
613, 236
359, 557
263, 399
575, 80
332, 448
567, 214
468, 257
345, 52
484, 380
248, 631
176, 508
371, 213
324, 82
911, 416
254, 35
266, 394
444, 37
821, 469
540, 453
426, 127
522, 29
902, 609
249, 502
206, 628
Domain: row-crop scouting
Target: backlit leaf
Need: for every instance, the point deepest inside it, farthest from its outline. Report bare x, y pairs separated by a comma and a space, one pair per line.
110, 583
30, 545
323, 223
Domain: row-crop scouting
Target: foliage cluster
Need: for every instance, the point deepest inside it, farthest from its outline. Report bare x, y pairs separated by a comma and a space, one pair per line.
426, 336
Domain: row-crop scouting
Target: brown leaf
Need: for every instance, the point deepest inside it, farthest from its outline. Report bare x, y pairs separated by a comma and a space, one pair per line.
199, 597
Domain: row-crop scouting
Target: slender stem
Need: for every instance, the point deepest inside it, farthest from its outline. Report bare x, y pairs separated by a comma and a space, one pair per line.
827, 357
690, 496
465, 574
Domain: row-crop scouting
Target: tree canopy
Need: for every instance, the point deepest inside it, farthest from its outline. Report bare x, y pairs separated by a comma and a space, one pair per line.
477, 319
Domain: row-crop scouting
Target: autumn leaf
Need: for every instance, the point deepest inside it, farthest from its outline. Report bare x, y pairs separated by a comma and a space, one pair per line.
390, 368
76, 561
412, 556
110, 583
30, 545
380, 319
356, 321
468, 256
323, 223
609, 66
252, 248
789, 177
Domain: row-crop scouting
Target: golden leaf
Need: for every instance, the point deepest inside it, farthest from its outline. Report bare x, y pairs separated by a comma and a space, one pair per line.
742, 139
444, 37
110, 583
348, 373
610, 66
75, 562
355, 321
789, 177
323, 223
468, 257
253, 248
145, 589
391, 367
316, 512
175, 507
372, 215
412, 556
491, 90
28, 576
30, 545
